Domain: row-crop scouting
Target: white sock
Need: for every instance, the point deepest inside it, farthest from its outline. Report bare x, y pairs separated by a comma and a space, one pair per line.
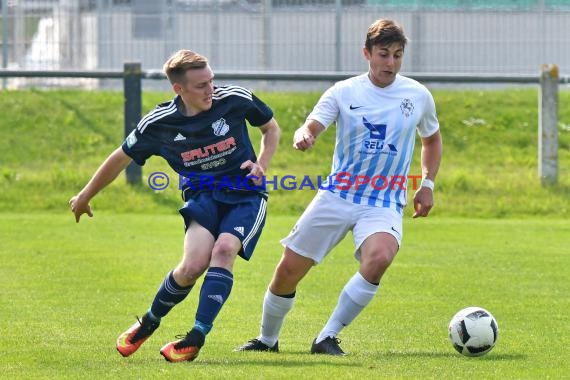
274, 310
356, 294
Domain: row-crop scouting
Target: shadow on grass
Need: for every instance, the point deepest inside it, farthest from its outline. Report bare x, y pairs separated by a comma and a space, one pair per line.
291, 361
451, 354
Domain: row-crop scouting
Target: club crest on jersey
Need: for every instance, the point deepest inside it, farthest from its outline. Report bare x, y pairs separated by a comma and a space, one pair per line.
407, 107
220, 127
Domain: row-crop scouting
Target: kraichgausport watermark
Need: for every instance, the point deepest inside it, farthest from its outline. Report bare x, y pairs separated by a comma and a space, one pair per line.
342, 181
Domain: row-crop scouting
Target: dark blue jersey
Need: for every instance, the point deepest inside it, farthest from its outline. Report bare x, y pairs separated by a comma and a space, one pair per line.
209, 146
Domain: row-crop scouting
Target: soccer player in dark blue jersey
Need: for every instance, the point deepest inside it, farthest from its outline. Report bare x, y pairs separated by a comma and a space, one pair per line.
202, 134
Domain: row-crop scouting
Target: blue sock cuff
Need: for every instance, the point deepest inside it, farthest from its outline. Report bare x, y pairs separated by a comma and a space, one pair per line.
217, 271
204, 328
174, 284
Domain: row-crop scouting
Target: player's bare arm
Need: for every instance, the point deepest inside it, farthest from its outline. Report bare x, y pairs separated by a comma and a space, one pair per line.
305, 137
432, 148
107, 172
270, 134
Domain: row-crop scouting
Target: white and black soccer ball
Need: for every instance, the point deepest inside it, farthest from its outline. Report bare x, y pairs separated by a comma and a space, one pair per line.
473, 331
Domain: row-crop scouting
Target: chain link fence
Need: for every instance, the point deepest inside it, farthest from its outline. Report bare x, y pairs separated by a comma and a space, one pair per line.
446, 36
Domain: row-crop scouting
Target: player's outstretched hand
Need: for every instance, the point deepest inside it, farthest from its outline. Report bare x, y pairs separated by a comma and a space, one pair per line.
423, 202
256, 172
79, 207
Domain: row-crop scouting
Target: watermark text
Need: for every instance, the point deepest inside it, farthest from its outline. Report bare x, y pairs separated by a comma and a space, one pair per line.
342, 181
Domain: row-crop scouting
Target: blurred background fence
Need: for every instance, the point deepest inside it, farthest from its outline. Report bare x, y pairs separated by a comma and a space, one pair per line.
512, 37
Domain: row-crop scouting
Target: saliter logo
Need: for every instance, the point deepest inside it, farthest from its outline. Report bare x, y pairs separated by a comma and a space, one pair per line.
210, 152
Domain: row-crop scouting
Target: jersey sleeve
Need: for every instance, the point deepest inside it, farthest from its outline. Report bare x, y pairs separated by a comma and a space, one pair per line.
138, 146
259, 113
326, 110
429, 123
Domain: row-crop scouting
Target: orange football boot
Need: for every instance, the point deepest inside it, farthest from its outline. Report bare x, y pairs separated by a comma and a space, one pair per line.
184, 349
130, 341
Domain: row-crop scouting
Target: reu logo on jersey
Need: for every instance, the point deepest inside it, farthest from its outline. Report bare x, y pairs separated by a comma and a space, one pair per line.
375, 144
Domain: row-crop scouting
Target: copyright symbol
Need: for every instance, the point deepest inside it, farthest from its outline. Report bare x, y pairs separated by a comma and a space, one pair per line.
158, 181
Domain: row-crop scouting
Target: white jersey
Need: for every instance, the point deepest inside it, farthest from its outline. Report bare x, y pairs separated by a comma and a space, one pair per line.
375, 137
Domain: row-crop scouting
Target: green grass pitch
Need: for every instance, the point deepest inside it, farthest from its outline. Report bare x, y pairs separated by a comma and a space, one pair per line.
495, 239
69, 289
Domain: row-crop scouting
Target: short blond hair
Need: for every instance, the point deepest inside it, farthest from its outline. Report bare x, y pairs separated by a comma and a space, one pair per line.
180, 62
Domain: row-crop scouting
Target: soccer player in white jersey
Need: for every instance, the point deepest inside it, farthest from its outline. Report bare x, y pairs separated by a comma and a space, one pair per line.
377, 115
203, 135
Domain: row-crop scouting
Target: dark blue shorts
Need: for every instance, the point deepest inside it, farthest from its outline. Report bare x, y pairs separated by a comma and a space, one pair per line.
241, 214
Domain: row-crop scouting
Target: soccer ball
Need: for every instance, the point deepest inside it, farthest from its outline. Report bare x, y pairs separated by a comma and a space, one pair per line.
473, 331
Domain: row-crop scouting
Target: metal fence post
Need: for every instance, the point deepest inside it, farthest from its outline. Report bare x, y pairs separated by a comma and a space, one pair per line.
548, 125
132, 84
267, 36
337, 35
5, 33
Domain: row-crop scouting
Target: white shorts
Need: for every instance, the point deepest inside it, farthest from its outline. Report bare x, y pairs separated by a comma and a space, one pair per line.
327, 220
